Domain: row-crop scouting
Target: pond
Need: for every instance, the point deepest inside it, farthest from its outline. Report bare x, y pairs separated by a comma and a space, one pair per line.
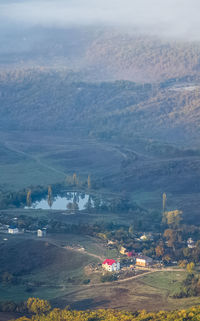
71, 201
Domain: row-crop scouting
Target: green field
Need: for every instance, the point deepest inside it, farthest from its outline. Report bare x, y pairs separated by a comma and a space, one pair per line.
31, 159
24, 174
46, 268
39, 268
168, 282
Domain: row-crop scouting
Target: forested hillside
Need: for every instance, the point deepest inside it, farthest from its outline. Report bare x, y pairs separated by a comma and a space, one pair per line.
120, 110
140, 58
99, 53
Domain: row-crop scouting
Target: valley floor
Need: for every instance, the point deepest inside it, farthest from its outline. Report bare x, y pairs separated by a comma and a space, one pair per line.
151, 290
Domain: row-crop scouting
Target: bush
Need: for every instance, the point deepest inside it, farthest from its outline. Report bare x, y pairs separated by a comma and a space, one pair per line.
108, 277
86, 281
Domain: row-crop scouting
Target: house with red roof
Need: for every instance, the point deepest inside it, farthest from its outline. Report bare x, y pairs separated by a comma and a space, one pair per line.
111, 265
130, 253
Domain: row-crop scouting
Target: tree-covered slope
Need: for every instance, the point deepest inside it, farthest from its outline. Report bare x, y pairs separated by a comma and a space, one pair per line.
99, 53
118, 110
51, 101
142, 58
101, 315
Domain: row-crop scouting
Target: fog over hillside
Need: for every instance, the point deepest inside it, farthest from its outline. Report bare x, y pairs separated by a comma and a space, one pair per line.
131, 40
169, 18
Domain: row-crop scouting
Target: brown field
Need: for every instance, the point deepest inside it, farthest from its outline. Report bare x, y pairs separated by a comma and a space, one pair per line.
132, 295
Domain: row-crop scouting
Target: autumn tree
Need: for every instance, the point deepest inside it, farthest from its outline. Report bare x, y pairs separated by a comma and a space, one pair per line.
190, 267
167, 258
159, 250
88, 205
38, 306
182, 263
164, 201
131, 230
72, 206
74, 179
173, 218
116, 315
89, 182
186, 252
50, 201
170, 235
28, 198
75, 206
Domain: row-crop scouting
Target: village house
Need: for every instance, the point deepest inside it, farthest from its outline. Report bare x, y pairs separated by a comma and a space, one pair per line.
41, 233
110, 242
111, 265
123, 250
191, 243
130, 253
146, 237
143, 260
143, 237
13, 230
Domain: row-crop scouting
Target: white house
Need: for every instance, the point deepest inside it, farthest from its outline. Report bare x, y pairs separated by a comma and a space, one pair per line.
41, 233
144, 237
111, 265
13, 230
143, 260
190, 243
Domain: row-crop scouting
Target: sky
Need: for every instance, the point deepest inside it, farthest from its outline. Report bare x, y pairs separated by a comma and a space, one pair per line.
170, 18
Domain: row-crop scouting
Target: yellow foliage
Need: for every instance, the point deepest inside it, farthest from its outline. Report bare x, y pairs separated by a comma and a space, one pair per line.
102, 236
182, 263
38, 306
191, 314
74, 179
190, 267
164, 201
173, 217
28, 198
89, 182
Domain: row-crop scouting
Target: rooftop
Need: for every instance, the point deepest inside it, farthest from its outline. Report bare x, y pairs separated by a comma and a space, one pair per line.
109, 262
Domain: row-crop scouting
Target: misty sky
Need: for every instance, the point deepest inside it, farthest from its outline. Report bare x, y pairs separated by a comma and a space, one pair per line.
174, 18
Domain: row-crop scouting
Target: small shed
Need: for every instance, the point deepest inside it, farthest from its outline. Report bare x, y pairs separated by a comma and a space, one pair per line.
13, 230
190, 243
41, 233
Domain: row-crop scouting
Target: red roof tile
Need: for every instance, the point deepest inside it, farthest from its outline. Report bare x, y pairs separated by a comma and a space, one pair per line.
130, 254
109, 262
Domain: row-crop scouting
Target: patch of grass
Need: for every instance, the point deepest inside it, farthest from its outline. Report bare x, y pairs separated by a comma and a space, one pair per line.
91, 244
23, 174
19, 293
42, 269
168, 282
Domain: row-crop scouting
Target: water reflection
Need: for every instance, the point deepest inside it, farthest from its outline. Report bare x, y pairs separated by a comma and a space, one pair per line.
72, 201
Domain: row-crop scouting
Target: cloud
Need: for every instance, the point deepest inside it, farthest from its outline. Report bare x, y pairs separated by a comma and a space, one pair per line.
173, 18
